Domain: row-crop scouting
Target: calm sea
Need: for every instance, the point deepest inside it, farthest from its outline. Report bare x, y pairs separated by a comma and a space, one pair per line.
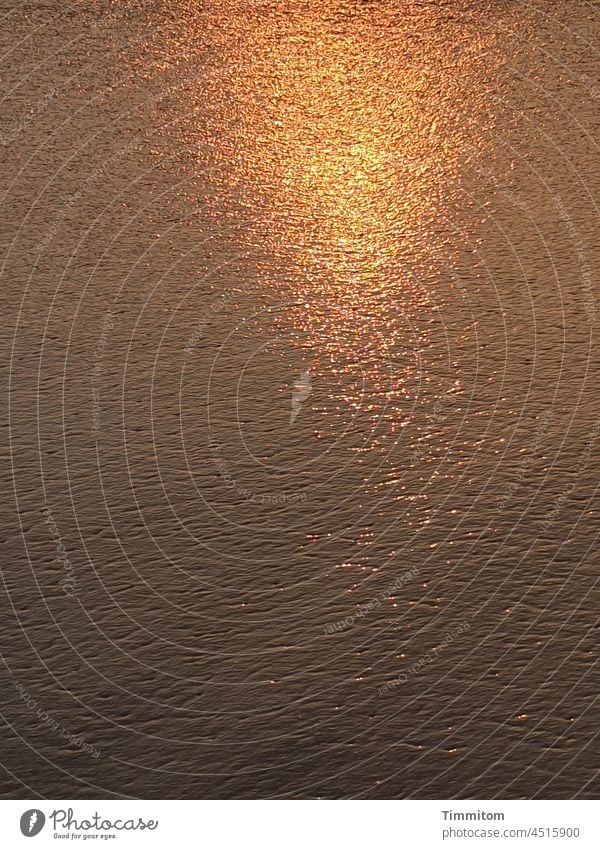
300, 301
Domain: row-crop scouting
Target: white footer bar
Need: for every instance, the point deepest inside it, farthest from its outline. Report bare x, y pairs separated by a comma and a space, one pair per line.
301, 824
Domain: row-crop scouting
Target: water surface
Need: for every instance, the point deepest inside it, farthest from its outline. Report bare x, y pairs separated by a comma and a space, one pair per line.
301, 299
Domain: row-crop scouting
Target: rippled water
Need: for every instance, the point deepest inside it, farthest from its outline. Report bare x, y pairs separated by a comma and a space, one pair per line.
303, 419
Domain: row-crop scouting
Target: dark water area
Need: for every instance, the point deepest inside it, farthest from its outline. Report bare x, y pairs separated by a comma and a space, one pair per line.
300, 306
